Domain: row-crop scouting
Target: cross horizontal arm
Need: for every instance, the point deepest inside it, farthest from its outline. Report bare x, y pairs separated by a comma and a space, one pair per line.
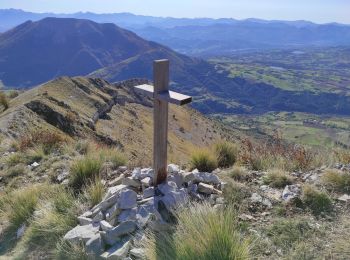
168, 95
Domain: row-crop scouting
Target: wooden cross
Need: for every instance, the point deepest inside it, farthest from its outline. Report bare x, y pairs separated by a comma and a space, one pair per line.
162, 96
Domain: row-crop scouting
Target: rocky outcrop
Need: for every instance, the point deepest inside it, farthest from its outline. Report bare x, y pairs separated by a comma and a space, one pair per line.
113, 228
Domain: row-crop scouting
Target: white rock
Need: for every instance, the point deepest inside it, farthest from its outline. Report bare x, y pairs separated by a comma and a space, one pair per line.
20, 231
84, 221
112, 212
98, 217
206, 177
82, 233
118, 180
175, 199
62, 176
34, 164
138, 253
112, 236
127, 199
291, 192
188, 176
207, 189
105, 226
167, 187
344, 198
110, 198
173, 168
146, 182
119, 251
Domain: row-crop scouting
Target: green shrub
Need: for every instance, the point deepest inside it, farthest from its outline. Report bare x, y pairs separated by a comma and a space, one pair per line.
203, 160
277, 179
202, 233
337, 180
83, 171
239, 173
317, 201
3, 100
226, 154
94, 192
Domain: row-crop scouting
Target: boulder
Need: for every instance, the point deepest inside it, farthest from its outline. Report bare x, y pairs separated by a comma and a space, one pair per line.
95, 246
174, 199
82, 233
119, 251
173, 168
167, 187
129, 181
105, 226
127, 199
149, 192
128, 214
291, 192
206, 177
114, 235
84, 221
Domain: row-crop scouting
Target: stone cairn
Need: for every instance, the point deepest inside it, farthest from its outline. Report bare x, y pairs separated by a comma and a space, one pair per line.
115, 228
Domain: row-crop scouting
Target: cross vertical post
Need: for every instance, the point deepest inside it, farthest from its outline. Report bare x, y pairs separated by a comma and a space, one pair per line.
162, 96
160, 120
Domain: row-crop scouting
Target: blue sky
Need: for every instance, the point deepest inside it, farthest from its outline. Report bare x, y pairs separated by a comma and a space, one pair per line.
320, 11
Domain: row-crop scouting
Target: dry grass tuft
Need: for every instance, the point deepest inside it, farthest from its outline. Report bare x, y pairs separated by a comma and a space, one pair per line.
277, 178
3, 100
317, 201
337, 180
226, 154
203, 160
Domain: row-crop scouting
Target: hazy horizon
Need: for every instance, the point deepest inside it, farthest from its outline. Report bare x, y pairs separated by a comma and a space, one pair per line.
314, 10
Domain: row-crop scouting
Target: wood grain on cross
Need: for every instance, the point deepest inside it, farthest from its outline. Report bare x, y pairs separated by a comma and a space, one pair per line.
162, 97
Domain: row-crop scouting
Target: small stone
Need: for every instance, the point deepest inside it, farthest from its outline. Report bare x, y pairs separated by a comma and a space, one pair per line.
20, 231
344, 198
122, 169
112, 212
34, 165
117, 181
173, 168
127, 199
146, 182
246, 217
118, 251
206, 177
105, 226
62, 176
291, 192
131, 182
84, 221
99, 216
207, 189
188, 176
138, 253
149, 192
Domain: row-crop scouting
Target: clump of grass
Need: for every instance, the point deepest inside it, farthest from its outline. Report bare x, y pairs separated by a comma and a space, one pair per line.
12, 94
19, 206
82, 147
94, 192
83, 171
202, 233
14, 159
203, 160
3, 100
343, 156
317, 201
35, 155
113, 156
286, 233
226, 154
277, 179
68, 250
234, 195
56, 216
239, 173
49, 140
337, 180
15, 171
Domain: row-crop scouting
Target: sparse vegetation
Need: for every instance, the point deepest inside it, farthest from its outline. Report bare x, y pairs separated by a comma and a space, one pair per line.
203, 160
277, 178
337, 180
317, 201
214, 235
94, 192
239, 173
111, 155
3, 101
226, 154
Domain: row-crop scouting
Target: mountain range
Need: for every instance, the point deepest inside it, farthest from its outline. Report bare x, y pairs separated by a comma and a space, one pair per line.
206, 36
35, 52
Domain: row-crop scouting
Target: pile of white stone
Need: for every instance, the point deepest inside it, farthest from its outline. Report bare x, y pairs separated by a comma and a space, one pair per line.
114, 229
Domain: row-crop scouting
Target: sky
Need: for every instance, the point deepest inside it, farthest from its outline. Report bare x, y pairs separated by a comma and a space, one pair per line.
320, 11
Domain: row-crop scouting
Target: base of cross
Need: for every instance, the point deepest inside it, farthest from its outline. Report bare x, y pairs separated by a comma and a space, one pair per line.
162, 96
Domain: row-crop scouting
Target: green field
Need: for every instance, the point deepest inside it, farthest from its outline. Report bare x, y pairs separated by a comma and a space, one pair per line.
316, 70
296, 127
